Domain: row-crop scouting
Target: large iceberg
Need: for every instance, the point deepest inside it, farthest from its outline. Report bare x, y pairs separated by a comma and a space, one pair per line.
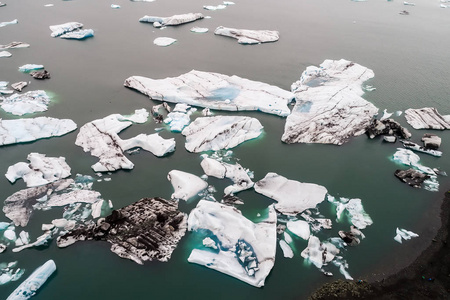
215, 91
292, 196
29, 287
171, 21
220, 132
5, 54
41, 170
60, 29
27, 130
329, 108
246, 249
427, 118
30, 102
245, 36
186, 185
100, 137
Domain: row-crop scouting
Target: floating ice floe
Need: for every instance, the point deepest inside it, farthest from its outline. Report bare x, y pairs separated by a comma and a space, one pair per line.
329, 108
29, 287
30, 67
49, 5
404, 234
115, 6
300, 228
287, 251
79, 34
220, 132
236, 173
214, 7
249, 37
199, 29
8, 273
408, 3
186, 185
30, 102
292, 196
418, 148
3, 24
41, 170
100, 137
61, 29
27, 130
246, 249
319, 253
388, 128
215, 91
179, 117
14, 45
355, 211
5, 54
19, 86
171, 21
427, 118
42, 240
164, 41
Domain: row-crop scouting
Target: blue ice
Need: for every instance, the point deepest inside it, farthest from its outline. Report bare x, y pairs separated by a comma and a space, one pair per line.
225, 93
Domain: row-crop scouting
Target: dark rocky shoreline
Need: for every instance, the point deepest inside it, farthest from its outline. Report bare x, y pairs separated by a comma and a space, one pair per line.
428, 277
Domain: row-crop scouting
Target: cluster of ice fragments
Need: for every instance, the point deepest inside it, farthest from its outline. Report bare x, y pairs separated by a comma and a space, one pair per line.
245, 36
100, 137
71, 30
329, 108
215, 91
30, 102
171, 21
179, 117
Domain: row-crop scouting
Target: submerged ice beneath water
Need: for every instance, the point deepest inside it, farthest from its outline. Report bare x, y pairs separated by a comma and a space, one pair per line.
79, 34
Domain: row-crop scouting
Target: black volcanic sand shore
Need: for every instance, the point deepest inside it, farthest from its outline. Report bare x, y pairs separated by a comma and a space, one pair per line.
428, 277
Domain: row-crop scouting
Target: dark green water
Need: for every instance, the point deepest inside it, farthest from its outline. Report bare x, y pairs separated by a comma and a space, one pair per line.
409, 55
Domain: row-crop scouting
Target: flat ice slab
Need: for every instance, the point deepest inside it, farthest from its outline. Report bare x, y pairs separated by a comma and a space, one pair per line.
354, 209
27, 130
5, 54
199, 29
61, 29
186, 185
30, 286
249, 37
3, 24
14, 45
173, 20
30, 102
215, 91
246, 249
427, 118
164, 41
292, 196
220, 132
79, 34
41, 170
329, 108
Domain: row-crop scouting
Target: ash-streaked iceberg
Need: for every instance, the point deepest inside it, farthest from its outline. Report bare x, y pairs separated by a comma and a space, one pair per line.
19, 86
427, 118
293, 197
30, 102
164, 41
27, 130
8, 273
173, 20
329, 108
185, 185
29, 287
246, 249
249, 37
78, 35
215, 91
14, 45
220, 132
41, 170
403, 234
61, 29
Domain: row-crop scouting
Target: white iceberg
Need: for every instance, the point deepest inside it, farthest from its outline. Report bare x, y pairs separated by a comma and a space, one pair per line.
60, 29
186, 185
215, 91
78, 35
292, 196
287, 251
30, 67
300, 228
164, 41
5, 54
404, 234
427, 118
355, 210
3, 24
115, 6
319, 253
199, 29
249, 37
214, 7
329, 108
236, 173
27, 130
30, 286
220, 132
171, 21
153, 143
8, 274
246, 249
30, 102
40, 241
41, 170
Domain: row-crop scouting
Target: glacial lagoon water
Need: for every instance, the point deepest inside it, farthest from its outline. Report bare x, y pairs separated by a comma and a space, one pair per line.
409, 55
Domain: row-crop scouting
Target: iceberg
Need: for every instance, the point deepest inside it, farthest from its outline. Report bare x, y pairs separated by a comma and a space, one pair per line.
14, 45
236, 173
186, 185
214, 7
329, 108
199, 29
77, 196
249, 37
30, 102
43, 74
404, 234
30, 286
30, 67
355, 211
115, 6
173, 20
319, 253
300, 228
153, 143
5, 54
179, 117
164, 41
220, 132
58, 30
8, 274
418, 148
78, 35
27, 130
215, 91
427, 118
3, 24
387, 127
19, 86
287, 251
40, 171
293, 197
409, 158
246, 249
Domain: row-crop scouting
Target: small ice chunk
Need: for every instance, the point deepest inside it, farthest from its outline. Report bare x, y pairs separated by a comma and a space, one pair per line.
209, 242
58, 30
404, 234
5, 54
164, 41
10, 235
46, 227
48, 5
408, 3
30, 67
14, 45
3, 24
173, 20
319, 253
214, 7
199, 29
245, 36
287, 251
386, 115
115, 6
287, 237
79, 34
300, 228
18, 86
186, 185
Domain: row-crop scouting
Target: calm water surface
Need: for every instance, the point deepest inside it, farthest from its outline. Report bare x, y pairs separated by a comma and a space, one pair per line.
409, 55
